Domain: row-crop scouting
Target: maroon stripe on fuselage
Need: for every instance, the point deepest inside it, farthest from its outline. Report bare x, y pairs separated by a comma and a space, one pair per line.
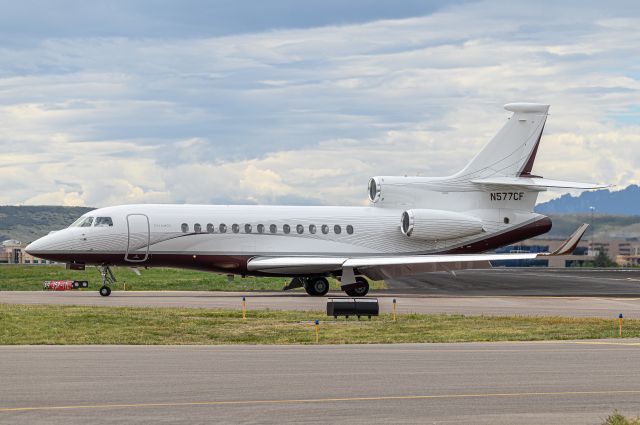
518, 234
236, 264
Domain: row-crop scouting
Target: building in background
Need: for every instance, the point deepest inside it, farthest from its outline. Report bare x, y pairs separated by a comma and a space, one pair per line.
12, 252
624, 252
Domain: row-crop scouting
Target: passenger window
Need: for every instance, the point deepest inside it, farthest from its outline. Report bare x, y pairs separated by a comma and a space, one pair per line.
103, 222
286, 228
300, 229
337, 229
210, 228
247, 228
235, 228
185, 227
260, 228
325, 229
87, 222
350, 229
273, 228
312, 229
223, 228
197, 228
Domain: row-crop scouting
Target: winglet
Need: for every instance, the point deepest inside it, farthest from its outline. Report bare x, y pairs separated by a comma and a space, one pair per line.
570, 244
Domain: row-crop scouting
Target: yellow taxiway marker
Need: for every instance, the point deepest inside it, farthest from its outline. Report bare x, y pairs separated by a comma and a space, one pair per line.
319, 400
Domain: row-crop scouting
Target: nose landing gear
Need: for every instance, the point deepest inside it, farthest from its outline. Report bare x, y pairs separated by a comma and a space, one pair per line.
108, 278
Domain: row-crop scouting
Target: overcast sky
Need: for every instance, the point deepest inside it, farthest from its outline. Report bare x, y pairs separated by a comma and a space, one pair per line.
282, 101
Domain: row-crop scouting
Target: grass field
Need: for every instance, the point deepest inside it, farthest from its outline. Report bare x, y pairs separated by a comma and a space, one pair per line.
46, 324
30, 278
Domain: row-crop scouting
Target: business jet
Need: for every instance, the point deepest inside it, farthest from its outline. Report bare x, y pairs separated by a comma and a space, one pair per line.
412, 225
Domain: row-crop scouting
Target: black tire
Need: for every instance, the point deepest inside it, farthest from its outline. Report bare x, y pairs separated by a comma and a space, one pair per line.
317, 286
105, 291
360, 291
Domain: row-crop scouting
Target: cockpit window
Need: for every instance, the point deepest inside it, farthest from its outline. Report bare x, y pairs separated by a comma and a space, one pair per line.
103, 222
77, 222
87, 222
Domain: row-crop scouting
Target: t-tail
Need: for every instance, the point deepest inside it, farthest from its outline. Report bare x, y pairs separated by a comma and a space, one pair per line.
494, 194
508, 158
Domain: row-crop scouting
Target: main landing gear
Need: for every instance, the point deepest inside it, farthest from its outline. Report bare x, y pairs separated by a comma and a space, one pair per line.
319, 286
316, 286
360, 289
108, 278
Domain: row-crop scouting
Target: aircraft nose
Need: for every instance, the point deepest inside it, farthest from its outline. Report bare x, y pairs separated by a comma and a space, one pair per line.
32, 248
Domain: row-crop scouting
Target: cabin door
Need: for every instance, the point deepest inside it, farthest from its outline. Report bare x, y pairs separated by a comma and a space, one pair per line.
138, 236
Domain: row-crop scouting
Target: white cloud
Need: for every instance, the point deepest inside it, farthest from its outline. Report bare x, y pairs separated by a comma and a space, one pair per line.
312, 113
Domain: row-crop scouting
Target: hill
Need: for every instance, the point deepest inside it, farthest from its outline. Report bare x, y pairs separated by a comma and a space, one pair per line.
619, 202
27, 223
606, 226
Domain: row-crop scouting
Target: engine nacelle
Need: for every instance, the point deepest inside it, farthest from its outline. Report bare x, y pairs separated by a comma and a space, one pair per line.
438, 225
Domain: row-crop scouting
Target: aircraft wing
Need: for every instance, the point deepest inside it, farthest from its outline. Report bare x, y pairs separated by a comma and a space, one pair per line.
385, 267
379, 267
304, 264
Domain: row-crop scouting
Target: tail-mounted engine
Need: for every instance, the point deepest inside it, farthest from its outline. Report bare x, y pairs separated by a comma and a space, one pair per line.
436, 225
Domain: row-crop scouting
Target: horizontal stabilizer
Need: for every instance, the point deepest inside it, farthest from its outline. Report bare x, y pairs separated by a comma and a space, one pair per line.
537, 182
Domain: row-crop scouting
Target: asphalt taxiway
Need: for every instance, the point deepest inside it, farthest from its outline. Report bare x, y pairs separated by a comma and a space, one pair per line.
506, 281
565, 382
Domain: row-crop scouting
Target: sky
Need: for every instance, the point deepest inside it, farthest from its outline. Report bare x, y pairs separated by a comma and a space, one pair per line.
289, 102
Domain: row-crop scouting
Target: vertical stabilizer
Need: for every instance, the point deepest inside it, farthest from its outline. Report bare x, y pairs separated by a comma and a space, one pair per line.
512, 151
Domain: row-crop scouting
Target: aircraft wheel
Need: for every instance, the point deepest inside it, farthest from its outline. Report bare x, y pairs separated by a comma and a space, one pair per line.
317, 286
105, 291
360, 291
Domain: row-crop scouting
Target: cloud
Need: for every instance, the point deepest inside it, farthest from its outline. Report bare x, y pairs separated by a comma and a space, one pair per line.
308, 114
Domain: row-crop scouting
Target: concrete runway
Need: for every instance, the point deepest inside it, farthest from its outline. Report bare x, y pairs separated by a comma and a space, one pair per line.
478, 305
499, 383
527, 291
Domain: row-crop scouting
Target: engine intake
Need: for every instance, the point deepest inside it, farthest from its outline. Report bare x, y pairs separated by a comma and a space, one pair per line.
375, 189
435, 225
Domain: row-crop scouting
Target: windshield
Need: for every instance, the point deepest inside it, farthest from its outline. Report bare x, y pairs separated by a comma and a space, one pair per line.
83, 222
103, 222
77, 222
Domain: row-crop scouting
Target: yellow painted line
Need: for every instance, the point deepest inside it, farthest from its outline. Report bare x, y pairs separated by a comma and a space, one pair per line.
319, 400
582, 342
607, 343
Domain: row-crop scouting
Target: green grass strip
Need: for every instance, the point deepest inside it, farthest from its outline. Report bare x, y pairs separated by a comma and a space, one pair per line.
48, 324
